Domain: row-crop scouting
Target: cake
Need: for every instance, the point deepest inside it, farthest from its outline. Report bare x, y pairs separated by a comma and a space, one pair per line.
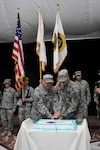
51, 124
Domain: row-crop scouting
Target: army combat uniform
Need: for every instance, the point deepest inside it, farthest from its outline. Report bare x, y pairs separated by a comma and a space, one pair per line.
69, 102
8, 106
24, 108
45, 101
97, 98
85, 95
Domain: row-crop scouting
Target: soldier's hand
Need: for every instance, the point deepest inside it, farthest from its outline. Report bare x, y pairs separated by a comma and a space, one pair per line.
14, 109
97, 102
88, 103
23, 100
56, 115
98, 90
58, 84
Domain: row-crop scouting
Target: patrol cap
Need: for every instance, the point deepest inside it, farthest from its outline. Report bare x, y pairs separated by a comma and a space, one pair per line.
78, 73
7, 81
26, 79
48, 78
63, 74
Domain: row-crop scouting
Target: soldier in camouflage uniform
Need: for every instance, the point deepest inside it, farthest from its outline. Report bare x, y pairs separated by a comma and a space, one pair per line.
97, 98
0, 101
69, 100
8, 107
97, 95
24, 101
85, 95
45, 99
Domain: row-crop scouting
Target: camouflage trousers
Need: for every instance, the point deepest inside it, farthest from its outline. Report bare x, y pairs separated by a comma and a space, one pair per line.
98, 110
7, 119
23, 113
85, 111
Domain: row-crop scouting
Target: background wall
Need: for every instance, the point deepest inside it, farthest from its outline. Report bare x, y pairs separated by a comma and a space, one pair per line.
82, 54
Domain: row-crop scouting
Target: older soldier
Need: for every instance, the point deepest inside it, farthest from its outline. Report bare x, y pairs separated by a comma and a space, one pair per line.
8, 107
85, 95
69, 104
25, 98
45, 99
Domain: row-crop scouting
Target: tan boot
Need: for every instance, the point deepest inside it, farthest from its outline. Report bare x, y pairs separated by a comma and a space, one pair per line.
9, 133
4, 133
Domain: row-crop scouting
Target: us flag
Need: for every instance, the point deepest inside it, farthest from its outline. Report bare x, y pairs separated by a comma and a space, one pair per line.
18, 56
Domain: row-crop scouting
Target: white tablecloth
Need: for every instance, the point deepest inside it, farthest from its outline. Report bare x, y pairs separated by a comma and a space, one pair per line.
29, 139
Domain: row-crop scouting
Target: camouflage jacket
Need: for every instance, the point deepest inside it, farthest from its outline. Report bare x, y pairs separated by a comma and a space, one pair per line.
28, 95
8, 99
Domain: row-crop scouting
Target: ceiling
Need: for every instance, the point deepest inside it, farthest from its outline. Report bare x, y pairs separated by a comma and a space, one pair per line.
80, 19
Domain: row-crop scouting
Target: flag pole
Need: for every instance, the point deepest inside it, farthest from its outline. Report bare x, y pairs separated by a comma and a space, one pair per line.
39, 57
40, 72
58, 83
22, 93
57, 6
